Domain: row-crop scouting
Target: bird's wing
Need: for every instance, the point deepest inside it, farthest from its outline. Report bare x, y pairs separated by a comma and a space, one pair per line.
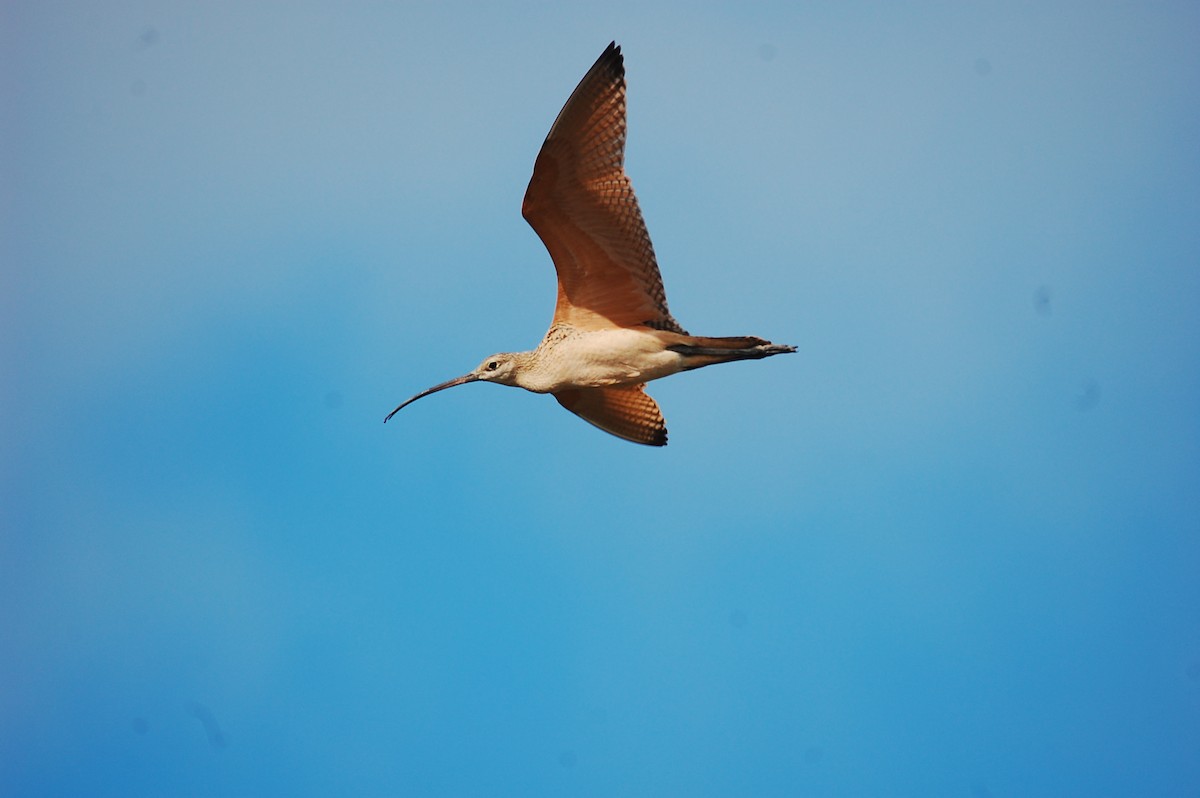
624, 410
581, 204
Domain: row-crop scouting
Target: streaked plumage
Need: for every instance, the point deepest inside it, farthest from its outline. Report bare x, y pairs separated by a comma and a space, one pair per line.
612, 331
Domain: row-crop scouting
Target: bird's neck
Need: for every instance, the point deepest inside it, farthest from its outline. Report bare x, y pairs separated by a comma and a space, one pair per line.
530, 372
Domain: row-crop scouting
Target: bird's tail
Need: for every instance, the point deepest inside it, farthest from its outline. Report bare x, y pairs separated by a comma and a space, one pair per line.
700, 351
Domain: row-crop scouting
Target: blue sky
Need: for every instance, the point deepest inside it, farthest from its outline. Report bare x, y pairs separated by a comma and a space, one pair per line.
949, 548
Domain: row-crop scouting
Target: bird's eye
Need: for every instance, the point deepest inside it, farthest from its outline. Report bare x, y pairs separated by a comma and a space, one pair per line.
493, 365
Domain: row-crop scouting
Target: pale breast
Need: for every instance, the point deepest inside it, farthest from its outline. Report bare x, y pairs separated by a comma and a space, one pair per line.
574, 359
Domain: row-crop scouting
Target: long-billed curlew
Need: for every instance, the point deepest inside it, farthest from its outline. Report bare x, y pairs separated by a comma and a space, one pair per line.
611, 332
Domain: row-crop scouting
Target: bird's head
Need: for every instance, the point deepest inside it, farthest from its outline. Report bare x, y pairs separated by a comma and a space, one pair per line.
501, 368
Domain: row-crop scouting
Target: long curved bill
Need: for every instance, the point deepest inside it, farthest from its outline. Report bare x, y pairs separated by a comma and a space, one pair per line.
441, 387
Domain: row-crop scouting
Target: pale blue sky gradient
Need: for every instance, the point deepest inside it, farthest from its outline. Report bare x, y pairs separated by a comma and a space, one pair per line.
950, 548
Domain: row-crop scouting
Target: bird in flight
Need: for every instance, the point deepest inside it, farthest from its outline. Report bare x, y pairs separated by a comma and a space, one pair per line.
611, 332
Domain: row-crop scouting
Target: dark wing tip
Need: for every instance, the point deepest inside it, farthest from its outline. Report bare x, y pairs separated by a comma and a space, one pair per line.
612, 59
608, 68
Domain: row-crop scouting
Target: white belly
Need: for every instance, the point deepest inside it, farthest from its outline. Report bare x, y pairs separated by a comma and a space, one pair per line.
599, 358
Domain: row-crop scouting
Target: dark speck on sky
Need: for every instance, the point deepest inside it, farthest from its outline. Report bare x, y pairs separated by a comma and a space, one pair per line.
1088, 396
216, 738
1041, 300
148, 37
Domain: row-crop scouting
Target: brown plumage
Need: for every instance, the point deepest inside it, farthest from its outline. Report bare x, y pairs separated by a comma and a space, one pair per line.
612, 331
582, 205
624, 410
